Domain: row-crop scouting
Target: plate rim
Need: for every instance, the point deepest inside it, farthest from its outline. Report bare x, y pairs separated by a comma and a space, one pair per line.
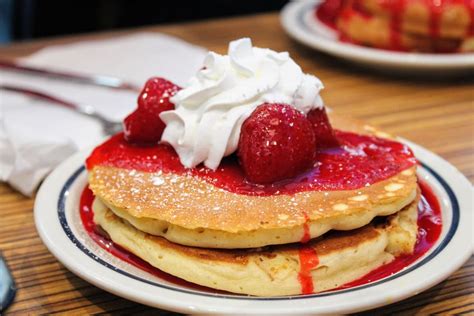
294, 11
250, 306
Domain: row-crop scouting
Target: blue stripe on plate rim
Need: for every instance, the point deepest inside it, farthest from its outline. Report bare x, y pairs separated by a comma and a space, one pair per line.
302, 13
452, 230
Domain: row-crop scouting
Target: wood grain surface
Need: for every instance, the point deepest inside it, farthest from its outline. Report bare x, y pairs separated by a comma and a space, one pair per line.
435, 112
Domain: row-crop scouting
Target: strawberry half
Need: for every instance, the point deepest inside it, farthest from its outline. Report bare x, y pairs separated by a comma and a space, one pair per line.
322, 128
276, 142
144, 125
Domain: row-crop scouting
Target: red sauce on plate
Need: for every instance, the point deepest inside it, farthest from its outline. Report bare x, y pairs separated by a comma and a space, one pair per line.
429, 230
397, 8
361, 160
306, 233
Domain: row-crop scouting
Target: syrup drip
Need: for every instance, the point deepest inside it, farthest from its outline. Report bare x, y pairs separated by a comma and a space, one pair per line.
308, 261
429, 230
396, 8
435, 9
306, 233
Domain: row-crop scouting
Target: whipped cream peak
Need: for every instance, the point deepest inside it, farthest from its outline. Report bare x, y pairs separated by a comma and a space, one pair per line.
205, 125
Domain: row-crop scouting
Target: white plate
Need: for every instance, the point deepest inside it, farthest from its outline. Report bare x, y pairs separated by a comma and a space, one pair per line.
60, 228
299, 21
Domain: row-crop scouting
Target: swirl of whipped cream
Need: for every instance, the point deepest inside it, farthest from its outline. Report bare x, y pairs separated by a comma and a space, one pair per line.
209, 112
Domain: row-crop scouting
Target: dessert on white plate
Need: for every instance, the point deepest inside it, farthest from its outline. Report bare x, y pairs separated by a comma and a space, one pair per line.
239, 182
306, 203
383, 38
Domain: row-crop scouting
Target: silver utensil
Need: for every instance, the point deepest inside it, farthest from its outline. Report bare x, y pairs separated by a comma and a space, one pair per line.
109, 127
7, 286
96, 80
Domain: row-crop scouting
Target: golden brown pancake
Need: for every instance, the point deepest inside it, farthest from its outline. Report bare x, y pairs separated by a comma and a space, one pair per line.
415, 27
276, 270
193, 212
416, 17
242, 221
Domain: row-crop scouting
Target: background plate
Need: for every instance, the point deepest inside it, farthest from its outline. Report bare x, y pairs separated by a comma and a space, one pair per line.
299, 21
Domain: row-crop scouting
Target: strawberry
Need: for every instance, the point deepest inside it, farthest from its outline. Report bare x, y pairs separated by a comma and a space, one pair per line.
141, 128
144, 126
156, 94
276, 142
322, 128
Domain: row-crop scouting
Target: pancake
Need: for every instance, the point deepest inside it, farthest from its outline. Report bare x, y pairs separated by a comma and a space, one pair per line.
341, 257
242, 221
190, 211
377, 32
408, 25
455, 17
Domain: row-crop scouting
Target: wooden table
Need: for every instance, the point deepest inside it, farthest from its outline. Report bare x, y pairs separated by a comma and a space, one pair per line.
435, 113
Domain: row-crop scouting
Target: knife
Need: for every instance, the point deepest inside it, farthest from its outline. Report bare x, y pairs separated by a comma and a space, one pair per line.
96, 80
7, 286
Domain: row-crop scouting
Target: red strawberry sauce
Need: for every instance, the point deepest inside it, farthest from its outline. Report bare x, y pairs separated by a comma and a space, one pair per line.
308, 261
362, 160
429, 229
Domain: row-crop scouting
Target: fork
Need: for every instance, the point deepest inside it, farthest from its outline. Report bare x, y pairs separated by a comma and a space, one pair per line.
95, 80
109, 127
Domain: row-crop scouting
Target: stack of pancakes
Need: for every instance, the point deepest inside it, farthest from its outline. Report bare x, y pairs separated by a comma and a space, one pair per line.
252, 244
415, 25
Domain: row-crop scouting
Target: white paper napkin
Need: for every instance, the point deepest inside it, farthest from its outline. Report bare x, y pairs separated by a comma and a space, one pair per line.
36, 136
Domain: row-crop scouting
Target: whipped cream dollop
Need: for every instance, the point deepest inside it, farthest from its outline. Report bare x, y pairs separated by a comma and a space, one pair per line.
210, 110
